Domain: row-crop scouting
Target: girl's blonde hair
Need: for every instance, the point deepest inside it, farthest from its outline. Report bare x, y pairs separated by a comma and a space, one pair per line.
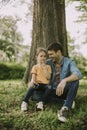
40, 49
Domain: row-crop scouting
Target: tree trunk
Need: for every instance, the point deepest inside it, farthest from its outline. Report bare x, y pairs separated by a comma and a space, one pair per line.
48, 26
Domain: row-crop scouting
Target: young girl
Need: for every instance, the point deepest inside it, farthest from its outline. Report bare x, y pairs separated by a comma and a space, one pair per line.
41, 74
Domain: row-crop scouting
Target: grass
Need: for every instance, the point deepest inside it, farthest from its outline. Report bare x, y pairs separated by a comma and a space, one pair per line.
11, 118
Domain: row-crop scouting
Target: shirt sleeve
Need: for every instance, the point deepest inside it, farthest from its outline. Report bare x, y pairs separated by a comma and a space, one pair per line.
34, 70
74, 69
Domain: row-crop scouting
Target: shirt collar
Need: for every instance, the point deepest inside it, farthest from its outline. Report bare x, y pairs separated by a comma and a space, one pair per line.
61, 61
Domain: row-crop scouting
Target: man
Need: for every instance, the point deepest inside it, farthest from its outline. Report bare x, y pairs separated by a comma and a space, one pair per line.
65, 78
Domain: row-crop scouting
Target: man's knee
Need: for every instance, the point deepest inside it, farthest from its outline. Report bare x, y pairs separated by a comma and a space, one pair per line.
73, 84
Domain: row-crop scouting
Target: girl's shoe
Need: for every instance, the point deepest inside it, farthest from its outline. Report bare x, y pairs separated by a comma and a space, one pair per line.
24, 106
39, 106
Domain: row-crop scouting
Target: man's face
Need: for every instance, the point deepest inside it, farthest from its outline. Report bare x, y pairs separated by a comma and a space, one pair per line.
53, 55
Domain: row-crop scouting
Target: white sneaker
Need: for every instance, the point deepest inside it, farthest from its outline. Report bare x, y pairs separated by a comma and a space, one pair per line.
39, 106
24, 106
62, 114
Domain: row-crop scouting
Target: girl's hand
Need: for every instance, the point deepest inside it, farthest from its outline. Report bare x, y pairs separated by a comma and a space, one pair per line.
48, 75
31, 83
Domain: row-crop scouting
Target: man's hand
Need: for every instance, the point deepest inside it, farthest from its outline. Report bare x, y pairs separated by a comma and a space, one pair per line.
60, 87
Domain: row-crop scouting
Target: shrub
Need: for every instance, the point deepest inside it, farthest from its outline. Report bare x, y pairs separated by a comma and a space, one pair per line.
11, 71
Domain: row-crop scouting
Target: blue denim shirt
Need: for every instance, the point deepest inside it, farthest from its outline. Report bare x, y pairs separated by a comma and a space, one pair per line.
67, 68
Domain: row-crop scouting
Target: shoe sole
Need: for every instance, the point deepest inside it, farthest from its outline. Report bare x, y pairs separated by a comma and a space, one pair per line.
62, 119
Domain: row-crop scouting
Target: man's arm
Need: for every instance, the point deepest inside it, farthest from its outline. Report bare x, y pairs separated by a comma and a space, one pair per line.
75, 75
62, 84
71, 78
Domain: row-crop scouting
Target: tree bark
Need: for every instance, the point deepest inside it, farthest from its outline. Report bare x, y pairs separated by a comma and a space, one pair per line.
48, 26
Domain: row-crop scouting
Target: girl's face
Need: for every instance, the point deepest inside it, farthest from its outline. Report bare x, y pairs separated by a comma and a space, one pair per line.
41, 57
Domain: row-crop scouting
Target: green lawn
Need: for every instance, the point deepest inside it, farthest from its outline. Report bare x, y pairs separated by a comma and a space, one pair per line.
11, 118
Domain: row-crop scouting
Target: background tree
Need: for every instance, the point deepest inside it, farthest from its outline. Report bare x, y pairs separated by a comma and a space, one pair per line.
9, 37
71, 45
48, 26
81, 8
8, 48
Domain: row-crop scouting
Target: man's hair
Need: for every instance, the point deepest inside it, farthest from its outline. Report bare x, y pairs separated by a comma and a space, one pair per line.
55, 47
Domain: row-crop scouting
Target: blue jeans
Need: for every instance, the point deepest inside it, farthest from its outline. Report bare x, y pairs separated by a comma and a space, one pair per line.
41, 87
69, 94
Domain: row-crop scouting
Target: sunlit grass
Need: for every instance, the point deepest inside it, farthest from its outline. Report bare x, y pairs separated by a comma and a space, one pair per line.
11, 118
